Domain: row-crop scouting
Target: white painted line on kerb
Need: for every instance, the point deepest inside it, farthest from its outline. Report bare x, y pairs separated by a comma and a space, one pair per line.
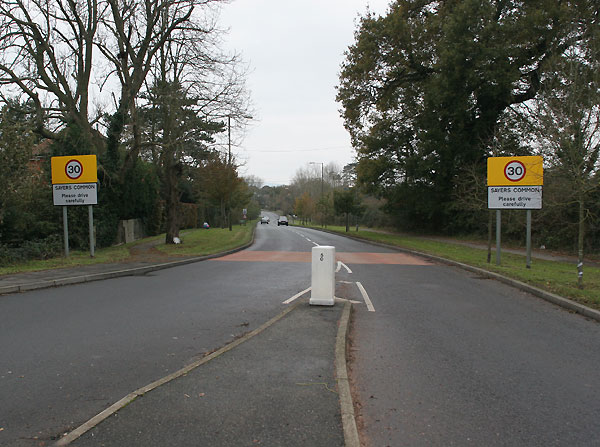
295, 297
365, 297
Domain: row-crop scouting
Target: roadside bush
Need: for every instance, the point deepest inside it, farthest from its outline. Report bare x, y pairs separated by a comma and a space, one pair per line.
49, 247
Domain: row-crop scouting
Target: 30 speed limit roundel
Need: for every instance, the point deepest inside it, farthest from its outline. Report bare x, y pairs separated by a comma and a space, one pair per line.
514, 171
73, 169
525, 170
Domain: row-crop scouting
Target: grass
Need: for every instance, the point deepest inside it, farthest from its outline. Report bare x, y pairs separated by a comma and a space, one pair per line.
553, 276
197, 242
205, 242
76, 258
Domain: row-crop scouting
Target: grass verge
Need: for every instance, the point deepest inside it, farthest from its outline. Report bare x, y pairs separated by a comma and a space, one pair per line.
201, 242
76, 258
553, 276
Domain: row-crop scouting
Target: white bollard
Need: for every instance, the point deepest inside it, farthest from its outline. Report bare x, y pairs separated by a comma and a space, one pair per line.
323, 276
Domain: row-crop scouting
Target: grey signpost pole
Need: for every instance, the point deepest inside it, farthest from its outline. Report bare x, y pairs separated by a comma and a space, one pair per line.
66, 230
528, 239
91, 223
498, 233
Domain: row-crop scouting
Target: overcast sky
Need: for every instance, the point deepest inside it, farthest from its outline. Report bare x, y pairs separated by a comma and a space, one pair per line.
294, 50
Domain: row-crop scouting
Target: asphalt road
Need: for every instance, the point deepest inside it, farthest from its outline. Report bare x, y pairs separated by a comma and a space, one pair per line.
439, 356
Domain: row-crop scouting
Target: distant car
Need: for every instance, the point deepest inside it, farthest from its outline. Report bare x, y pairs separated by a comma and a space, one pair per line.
282, 221
264, 219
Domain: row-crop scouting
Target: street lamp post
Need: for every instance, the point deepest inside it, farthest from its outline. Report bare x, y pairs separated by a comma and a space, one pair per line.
322, 194
319, 163
230, 164
228, 172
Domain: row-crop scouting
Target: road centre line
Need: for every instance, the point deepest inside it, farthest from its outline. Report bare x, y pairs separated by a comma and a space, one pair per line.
304, 237
312, 242
295, 297
365, 297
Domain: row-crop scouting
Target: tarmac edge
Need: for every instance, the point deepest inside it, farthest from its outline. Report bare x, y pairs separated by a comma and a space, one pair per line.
351, 438
123, 402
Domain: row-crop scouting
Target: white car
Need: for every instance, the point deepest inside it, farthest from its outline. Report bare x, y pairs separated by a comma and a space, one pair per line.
264, 219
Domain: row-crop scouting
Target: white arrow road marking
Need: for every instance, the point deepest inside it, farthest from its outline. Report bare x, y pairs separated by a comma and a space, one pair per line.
295, 297
340, 265
365, 297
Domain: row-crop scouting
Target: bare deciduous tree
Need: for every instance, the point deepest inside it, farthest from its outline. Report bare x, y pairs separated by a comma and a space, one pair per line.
47, 55
567, 114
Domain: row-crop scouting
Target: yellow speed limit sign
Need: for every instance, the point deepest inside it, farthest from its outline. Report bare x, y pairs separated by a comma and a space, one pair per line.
513, 171
74, 169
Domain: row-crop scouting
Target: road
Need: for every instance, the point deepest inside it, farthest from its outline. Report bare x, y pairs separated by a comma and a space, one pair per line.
439, 356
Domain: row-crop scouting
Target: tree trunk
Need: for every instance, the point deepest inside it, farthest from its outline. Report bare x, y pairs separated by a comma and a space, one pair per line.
223, 217
347, 222
229, 217
172, 204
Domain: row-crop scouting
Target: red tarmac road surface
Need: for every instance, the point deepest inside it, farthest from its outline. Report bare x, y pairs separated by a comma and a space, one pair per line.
347, 258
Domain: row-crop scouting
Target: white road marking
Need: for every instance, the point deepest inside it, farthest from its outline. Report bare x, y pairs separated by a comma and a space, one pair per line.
365, 297
312, 242
295, 297
304, 237
341, 264
350, 301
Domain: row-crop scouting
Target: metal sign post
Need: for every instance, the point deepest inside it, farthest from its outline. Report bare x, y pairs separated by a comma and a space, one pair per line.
91, 227
528, 239
498, 233
66, 231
